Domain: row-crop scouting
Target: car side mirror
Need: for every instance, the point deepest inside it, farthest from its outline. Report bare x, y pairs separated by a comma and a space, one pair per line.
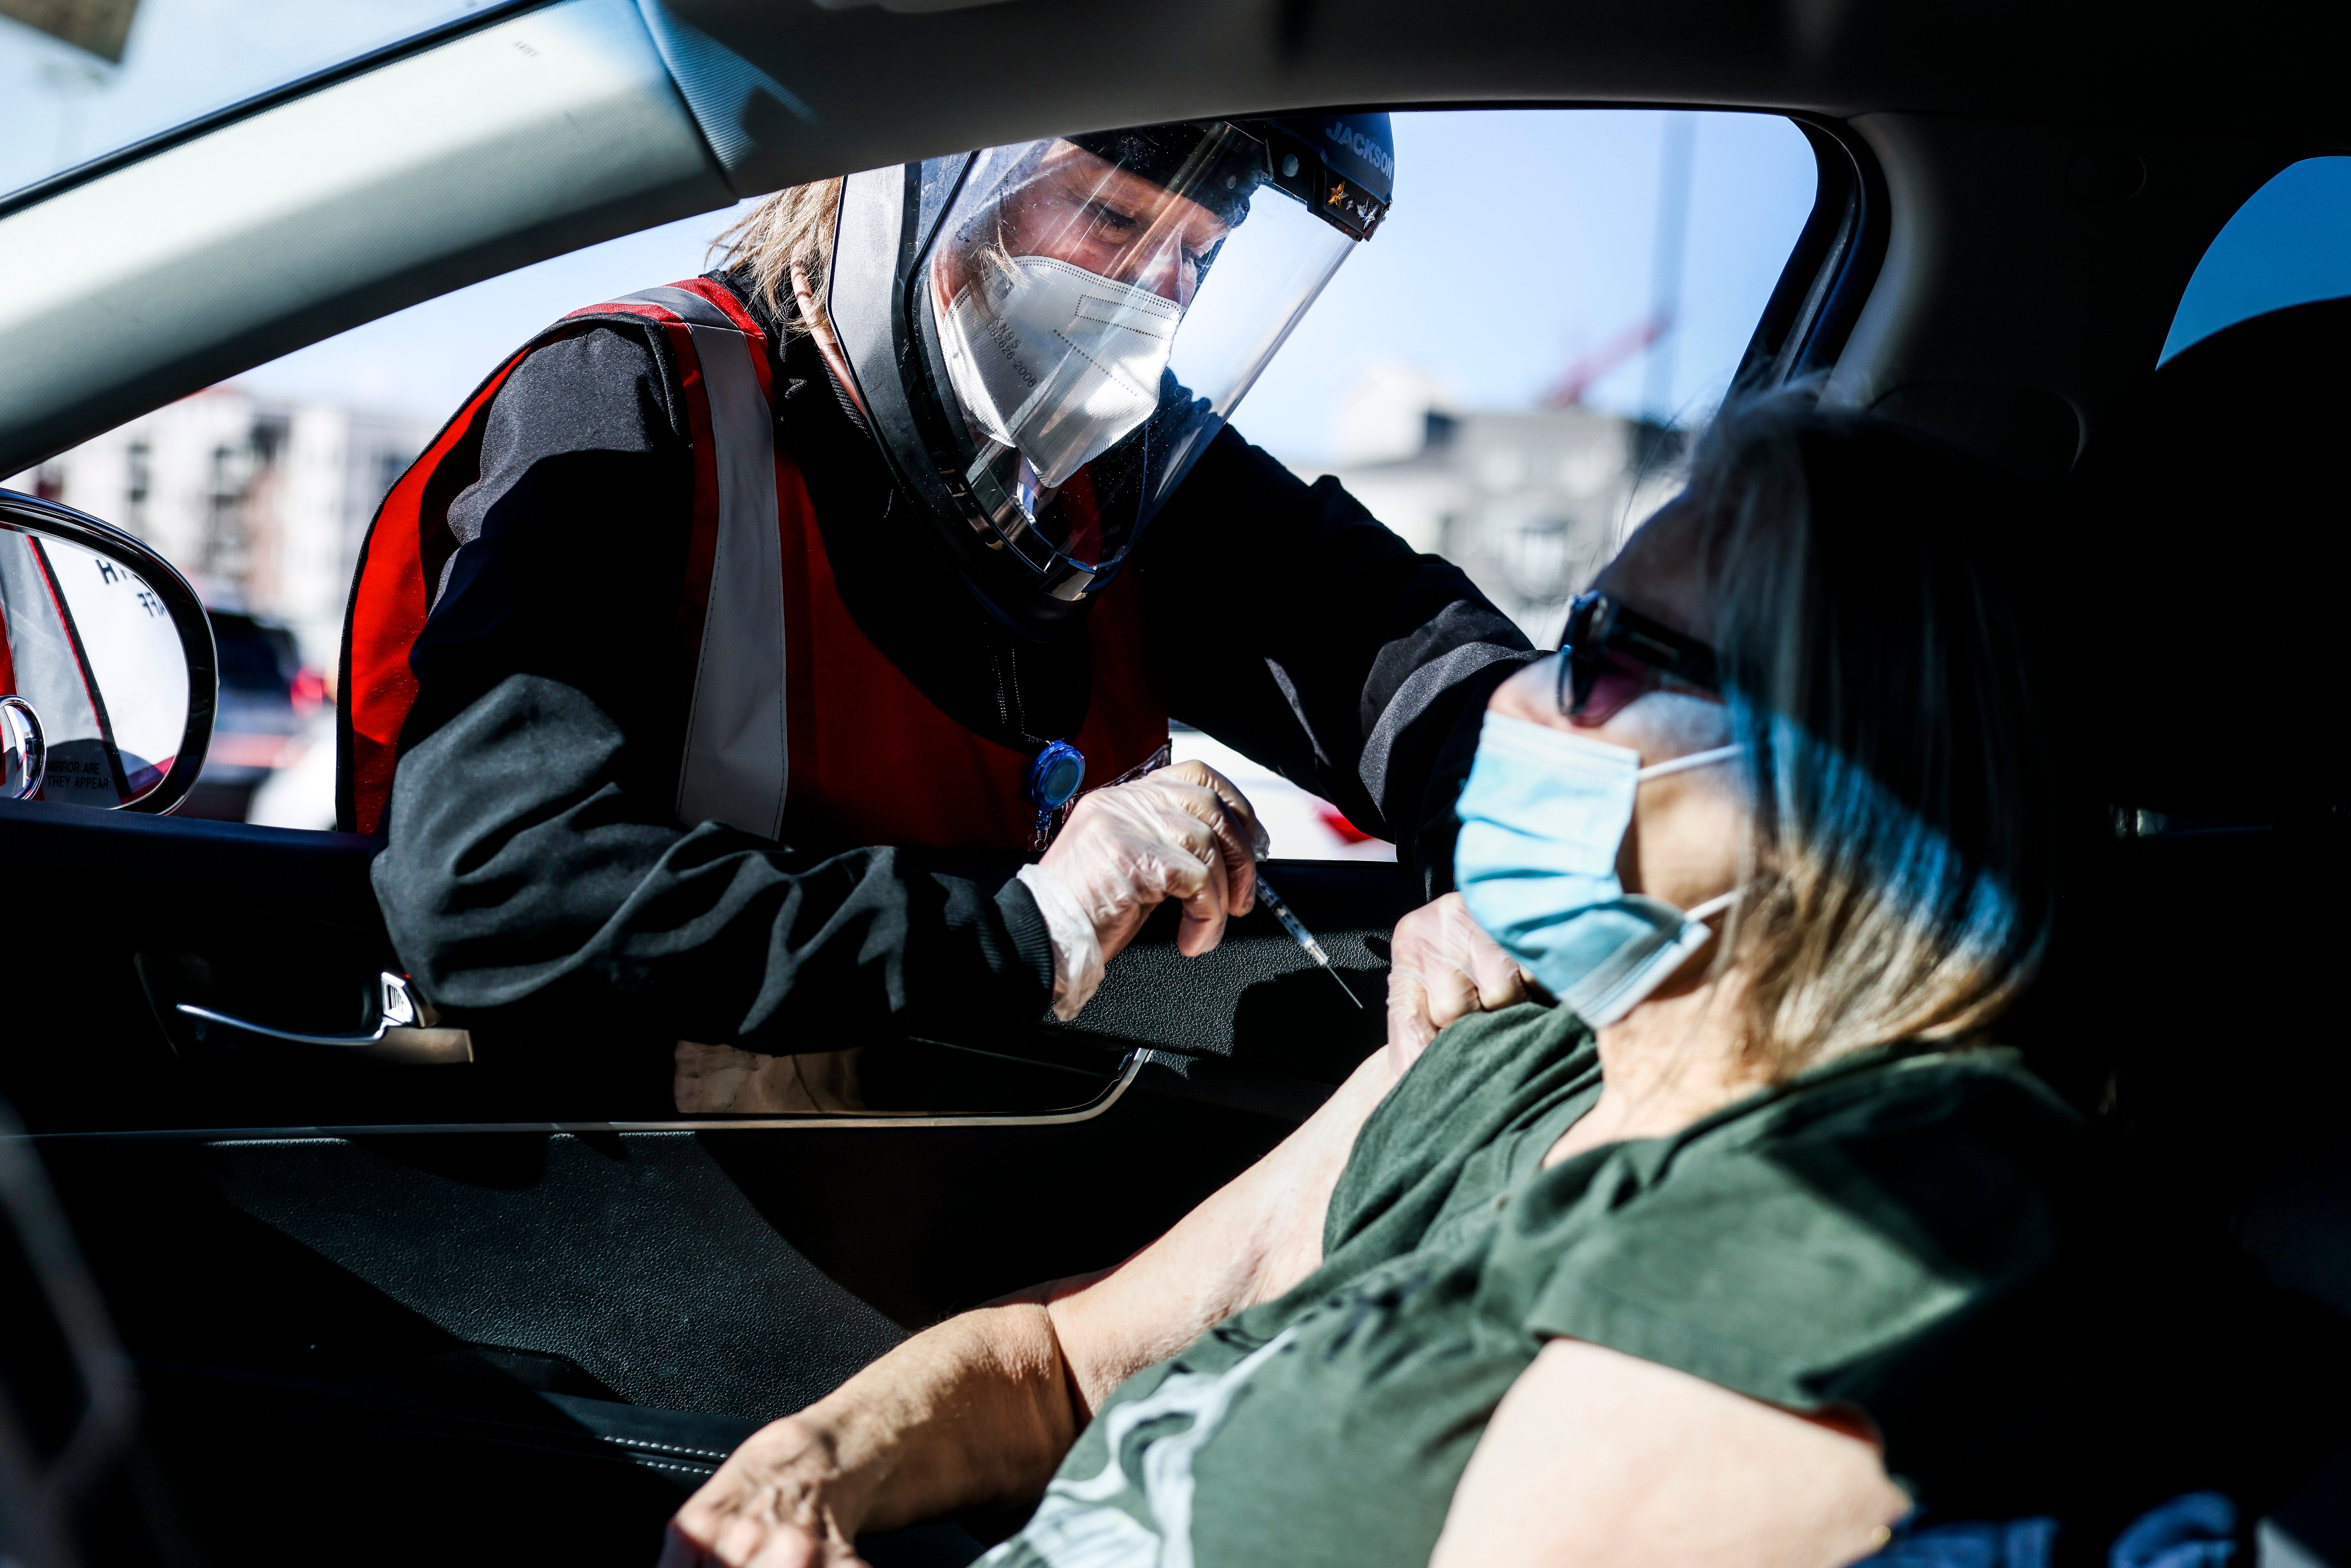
108, 675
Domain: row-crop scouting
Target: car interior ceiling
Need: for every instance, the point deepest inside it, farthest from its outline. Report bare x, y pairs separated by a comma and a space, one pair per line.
2047, 190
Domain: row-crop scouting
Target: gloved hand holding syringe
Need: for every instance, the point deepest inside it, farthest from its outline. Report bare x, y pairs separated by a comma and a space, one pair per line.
1279, 906
1187, 836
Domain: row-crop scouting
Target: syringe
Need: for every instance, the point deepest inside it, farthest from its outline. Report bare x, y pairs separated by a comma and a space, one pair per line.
1298, 932
1273, 900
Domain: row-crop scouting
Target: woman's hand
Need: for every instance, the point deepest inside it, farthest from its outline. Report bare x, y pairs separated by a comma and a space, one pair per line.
1183, 832
776, 1503
973, 1410
1443, 967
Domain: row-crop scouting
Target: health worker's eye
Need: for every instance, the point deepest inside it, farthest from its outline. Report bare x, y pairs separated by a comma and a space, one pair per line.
1110, 219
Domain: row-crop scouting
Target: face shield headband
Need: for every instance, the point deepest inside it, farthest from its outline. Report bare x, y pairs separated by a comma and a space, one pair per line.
1068, 323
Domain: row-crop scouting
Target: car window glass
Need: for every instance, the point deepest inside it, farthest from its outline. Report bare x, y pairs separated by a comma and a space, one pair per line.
1505, 374
2289, 245
79, 78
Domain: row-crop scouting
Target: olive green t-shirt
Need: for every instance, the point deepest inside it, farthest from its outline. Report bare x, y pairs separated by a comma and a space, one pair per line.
1887, 1233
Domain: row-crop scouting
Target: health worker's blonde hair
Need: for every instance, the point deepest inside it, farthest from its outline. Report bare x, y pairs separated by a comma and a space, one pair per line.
790, 230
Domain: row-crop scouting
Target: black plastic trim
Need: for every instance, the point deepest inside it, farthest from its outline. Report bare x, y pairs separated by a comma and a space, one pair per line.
1113, 1091
1853, 270
230, 866
1830, 272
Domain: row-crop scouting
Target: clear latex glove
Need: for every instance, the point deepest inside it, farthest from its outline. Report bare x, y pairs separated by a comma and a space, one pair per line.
1077, 951
1183, 832
1443, 967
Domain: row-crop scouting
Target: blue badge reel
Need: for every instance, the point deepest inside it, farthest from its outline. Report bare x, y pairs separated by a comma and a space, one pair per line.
1055, 775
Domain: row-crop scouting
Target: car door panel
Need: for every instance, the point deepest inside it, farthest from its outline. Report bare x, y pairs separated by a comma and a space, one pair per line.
415, 1301
428, 1306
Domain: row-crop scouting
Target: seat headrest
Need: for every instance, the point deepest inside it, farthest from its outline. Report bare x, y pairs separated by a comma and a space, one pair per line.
2201, 599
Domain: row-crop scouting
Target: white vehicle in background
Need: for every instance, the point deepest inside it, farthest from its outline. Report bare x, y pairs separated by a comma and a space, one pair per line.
1303, 826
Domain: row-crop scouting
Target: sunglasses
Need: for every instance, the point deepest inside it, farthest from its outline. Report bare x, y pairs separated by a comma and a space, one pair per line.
1602, 633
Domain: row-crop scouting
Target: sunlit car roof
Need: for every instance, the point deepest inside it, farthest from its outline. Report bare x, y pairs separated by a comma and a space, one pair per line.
93, 77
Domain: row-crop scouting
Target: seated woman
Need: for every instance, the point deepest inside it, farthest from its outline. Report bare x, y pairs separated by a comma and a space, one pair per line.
1730, 1253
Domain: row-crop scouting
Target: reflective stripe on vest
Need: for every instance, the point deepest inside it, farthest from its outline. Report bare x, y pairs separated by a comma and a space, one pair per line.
737, 767
730, 618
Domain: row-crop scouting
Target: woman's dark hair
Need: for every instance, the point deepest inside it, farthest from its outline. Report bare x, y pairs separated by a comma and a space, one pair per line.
1871, 623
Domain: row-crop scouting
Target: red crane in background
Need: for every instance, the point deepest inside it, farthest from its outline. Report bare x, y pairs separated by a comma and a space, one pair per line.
1677, 152
1588, 368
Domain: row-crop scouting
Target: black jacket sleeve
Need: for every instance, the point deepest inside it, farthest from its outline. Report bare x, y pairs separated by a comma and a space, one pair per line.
522, 869
1289, 623
532, 855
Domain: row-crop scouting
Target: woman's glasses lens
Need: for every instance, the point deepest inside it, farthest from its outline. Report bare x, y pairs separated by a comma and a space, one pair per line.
1580, 656
1601, 636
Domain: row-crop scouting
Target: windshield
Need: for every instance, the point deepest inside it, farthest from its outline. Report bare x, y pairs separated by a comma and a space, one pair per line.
79, 78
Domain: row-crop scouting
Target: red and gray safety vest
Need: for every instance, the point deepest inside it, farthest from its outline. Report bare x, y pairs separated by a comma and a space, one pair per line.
796, 724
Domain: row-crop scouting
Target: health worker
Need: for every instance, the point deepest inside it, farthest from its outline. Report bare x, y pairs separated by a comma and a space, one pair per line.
726, 614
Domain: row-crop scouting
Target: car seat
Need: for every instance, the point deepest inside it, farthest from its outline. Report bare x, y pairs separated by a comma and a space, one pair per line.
2189, 1000
2197, 598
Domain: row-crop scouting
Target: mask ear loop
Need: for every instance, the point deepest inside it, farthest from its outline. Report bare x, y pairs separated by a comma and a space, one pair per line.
1720, 902
1713, 906
1717, 905
1695, 759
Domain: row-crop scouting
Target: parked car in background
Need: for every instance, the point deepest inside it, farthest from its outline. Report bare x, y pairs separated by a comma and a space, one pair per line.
267, 700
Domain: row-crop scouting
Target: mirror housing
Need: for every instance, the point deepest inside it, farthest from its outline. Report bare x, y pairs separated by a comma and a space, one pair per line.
100, 638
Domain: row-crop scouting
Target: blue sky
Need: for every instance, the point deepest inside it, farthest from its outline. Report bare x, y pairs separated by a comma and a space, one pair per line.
1519, 240
1522, 239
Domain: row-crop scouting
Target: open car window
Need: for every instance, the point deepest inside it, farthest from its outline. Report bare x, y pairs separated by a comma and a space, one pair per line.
1507, 381
1510, 382
82, 78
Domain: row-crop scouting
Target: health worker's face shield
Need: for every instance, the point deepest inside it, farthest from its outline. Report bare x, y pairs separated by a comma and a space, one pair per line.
1086, 313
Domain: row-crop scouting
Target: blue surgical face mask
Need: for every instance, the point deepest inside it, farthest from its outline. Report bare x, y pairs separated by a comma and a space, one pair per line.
1542, 817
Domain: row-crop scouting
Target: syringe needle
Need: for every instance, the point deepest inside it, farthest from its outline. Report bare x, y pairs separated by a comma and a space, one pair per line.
1302, 937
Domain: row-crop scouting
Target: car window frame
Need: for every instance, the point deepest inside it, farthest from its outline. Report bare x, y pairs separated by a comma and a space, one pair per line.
129, 152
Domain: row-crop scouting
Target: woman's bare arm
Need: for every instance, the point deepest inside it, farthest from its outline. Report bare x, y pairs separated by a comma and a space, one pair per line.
1598, 1457
982, 1408
1256, 1237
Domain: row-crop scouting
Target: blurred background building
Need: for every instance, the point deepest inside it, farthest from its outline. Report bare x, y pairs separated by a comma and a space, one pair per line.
1529, 503
263, 504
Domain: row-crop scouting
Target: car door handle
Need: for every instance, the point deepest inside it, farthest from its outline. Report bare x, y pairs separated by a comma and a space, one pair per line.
398, 1036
